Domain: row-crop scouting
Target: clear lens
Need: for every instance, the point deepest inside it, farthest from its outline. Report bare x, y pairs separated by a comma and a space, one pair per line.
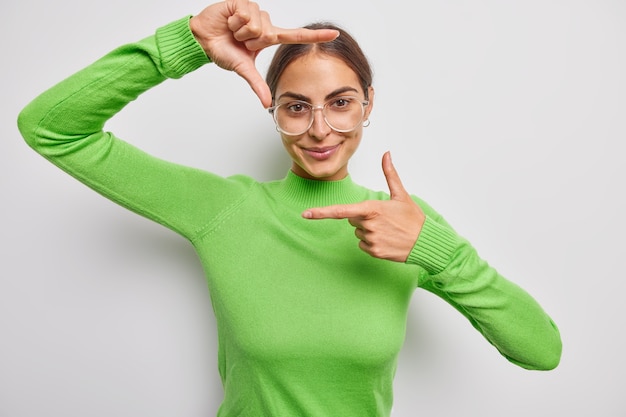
342, 114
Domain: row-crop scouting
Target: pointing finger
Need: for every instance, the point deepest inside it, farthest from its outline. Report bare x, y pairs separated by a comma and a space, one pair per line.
340, 211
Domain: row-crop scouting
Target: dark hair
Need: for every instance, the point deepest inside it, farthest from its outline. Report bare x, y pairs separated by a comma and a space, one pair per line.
343, 47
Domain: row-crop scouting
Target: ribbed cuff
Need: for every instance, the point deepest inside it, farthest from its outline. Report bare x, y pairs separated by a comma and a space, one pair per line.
434, 247
180, 52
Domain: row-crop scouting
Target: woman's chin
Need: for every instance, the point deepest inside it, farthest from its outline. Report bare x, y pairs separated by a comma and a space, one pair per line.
320, 173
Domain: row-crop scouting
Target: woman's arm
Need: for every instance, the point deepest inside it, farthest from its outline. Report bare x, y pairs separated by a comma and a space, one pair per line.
507, 316
66, 123
405, 229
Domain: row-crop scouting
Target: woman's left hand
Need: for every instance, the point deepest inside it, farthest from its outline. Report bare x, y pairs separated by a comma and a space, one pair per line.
386, 229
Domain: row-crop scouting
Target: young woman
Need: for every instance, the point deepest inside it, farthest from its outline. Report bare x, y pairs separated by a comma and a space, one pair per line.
310, 276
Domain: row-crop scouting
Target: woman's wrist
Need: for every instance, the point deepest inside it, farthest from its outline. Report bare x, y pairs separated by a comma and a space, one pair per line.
180, 51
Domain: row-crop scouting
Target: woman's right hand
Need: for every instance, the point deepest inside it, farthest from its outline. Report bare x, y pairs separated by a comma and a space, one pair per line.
233, 32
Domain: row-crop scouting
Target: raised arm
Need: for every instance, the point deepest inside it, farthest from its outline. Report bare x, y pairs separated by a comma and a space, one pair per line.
66, 123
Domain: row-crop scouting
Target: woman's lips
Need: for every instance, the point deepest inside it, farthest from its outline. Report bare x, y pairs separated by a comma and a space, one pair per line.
321, 154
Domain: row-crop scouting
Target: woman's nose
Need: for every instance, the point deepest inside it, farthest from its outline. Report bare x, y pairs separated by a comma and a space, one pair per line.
319, 128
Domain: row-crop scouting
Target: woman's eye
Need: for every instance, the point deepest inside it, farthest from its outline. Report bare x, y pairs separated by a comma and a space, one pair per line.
341, 103
297, 107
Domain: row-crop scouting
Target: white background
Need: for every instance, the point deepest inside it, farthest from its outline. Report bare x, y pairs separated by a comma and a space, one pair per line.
509, 117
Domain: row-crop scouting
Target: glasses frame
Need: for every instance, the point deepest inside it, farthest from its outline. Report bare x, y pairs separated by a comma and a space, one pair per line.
321, 107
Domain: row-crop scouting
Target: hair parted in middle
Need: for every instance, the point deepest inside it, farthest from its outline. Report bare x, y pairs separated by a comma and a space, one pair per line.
344, 47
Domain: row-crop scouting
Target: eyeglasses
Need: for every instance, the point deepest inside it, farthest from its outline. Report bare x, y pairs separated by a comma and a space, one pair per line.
342, 114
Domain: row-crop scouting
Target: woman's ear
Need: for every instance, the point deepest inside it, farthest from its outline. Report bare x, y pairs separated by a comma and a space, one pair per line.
370, 98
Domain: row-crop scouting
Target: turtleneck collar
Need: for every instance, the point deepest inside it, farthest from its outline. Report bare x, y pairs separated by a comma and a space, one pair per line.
317, 193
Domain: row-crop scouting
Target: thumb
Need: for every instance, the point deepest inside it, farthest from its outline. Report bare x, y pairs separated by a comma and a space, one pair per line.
396, 189
256, 82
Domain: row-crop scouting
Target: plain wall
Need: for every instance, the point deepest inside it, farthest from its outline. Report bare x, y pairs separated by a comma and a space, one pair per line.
508, 117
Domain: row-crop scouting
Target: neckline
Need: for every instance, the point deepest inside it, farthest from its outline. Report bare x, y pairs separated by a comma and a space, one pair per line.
315, 193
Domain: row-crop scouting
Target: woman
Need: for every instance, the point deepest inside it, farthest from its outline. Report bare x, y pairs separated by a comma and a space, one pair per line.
310, 319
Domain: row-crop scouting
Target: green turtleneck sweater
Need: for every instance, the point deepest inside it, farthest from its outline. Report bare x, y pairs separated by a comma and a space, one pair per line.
308, 324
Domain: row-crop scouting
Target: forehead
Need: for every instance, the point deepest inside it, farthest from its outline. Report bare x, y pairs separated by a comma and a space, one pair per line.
315, 75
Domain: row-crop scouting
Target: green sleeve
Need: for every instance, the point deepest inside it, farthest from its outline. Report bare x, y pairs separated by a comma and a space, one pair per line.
65, 125
507, 316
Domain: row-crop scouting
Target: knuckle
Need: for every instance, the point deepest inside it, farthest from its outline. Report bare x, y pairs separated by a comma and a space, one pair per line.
379, 251
341, 212
254, 29
354, 222
376, 251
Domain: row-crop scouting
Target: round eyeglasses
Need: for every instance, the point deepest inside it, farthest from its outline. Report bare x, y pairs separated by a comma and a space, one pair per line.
342, 114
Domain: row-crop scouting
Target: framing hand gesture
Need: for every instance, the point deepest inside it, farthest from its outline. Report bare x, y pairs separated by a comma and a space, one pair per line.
386, 229
233, 32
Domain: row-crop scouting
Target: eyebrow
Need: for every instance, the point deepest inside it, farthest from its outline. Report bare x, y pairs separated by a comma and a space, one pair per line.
330, 95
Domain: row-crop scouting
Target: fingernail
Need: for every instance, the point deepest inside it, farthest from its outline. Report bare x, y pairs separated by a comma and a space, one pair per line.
307, 214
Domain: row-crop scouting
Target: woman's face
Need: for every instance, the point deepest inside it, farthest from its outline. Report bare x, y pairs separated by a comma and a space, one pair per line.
321, 153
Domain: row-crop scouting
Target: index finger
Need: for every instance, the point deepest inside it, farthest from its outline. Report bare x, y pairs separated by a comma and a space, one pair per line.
275, 35
303, 35
339, 211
